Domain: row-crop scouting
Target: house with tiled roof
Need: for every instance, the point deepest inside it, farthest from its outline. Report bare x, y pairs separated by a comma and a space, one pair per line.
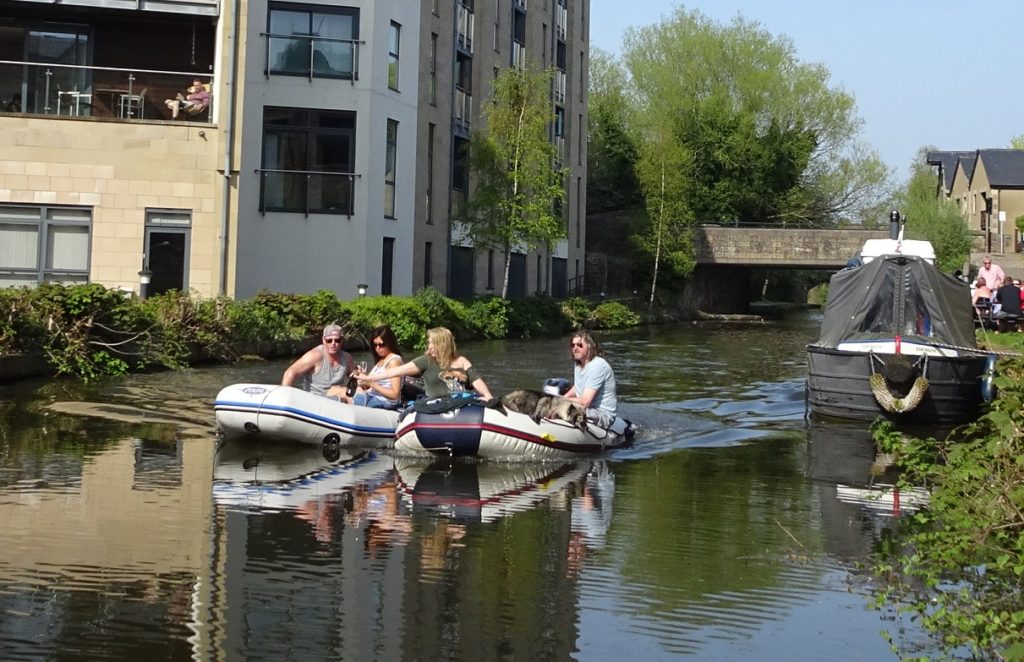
946, 162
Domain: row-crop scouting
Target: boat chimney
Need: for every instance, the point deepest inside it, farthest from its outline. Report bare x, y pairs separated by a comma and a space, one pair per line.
894, 224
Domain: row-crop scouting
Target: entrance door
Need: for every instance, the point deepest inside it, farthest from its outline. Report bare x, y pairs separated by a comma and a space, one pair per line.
167, 258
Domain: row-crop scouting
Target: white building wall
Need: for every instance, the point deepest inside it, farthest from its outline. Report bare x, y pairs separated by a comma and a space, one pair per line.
291, 252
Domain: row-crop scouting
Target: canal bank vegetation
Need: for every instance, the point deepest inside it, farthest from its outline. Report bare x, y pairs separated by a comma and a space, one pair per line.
90, 331
959, 564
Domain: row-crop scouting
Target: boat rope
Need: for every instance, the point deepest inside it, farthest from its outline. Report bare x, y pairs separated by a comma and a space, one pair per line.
975, 350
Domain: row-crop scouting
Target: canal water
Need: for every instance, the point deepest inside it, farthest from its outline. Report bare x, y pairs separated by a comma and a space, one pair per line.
732, 529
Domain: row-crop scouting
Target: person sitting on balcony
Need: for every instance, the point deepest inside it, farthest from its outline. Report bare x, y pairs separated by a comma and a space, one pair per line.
197, 100
14, 105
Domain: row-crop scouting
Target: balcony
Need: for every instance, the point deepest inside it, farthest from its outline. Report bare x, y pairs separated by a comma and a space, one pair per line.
464, 28
559, 143
124, 66
561, 21
463, 111
101, 92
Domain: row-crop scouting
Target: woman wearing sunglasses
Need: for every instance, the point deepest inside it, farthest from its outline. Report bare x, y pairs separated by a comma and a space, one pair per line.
376, 391
323, 370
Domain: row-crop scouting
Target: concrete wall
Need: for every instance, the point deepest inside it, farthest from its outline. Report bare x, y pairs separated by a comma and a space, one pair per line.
782, 248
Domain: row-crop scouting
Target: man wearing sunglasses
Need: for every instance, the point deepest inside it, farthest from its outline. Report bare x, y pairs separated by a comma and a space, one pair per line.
323, 370
593, 380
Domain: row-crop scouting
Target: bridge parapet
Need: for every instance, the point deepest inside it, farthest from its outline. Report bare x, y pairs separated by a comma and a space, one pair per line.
780, 247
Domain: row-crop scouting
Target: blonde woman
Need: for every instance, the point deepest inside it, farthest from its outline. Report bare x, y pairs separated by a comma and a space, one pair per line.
444, 371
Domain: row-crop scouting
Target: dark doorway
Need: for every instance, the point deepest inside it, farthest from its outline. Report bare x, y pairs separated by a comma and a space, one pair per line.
167, 259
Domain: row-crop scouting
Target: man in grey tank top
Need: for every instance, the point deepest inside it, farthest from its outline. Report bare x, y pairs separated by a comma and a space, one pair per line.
324, 369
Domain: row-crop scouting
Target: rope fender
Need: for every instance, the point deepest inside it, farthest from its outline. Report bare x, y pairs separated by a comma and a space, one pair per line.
891, 403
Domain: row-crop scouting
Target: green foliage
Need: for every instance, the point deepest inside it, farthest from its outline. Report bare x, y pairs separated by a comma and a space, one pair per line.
964, 555
760, 136
90, 331
611, 153
934, 218
488, 316
443, 311
577, 311
405, 315
614, 315
534, 316
517, 183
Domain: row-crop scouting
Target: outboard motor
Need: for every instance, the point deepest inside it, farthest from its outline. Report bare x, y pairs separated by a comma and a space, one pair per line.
556, 386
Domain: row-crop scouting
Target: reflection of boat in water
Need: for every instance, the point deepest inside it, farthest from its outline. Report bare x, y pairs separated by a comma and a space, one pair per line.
475, 430
271, 476
897, 340
484, 491
271, 411
883, 499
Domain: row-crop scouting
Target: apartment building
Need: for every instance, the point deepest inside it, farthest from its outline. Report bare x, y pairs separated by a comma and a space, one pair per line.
329, 153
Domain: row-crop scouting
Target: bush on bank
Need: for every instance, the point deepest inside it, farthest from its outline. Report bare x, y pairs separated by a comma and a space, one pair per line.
960, 565
90, 331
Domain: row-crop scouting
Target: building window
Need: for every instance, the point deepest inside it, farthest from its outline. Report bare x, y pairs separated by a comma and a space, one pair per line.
579, 140
497, 25
387, 264
432, 83
318, 43
394, 38
390, 158
40, 244
579, 207
430, 173
433, 7
428, 259
308, 157
540, 278
581, 86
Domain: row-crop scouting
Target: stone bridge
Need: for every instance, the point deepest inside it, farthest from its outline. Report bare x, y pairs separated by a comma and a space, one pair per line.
726, 256
782, 248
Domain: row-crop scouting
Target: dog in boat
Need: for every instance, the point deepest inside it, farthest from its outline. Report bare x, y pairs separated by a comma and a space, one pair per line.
538, 405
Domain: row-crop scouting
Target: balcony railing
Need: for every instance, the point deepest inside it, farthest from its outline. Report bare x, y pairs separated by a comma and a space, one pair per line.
310, 56
100, 92
518, 55
558, 85
464, 28
307, 191
561, 21
559, 143
463, 110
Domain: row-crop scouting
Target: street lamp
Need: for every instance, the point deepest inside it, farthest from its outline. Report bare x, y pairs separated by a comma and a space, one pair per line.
361, 288
144, 277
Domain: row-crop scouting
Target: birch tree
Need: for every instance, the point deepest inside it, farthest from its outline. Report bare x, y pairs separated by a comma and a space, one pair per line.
514, 165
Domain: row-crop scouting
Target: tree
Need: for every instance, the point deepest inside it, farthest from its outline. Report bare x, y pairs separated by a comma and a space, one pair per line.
934, 218
1017, 142
611, 153
517, 183
769, 140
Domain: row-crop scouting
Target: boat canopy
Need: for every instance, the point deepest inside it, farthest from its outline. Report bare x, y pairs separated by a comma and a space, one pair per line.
897, 295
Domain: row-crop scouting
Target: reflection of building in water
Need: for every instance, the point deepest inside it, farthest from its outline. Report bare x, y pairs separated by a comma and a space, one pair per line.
125, 541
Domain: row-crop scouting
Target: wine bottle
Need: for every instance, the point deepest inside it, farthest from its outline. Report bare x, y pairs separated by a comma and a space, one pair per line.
350, 390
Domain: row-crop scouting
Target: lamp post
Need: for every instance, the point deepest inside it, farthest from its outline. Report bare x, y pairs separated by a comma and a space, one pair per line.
144, 277
361, 288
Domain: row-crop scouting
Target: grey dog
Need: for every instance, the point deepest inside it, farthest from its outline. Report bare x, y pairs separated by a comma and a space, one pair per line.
538, 405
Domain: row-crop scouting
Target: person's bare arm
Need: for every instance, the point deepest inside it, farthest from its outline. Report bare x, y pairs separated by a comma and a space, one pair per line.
583, 399
305, 363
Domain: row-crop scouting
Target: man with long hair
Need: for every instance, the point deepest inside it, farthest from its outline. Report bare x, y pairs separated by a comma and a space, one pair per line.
593, 380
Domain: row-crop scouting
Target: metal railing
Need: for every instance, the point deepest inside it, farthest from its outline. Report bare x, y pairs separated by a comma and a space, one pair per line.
558, 85
518, 55
561, 21
311, 56
307, 191
463, 110
464, 29
73, 90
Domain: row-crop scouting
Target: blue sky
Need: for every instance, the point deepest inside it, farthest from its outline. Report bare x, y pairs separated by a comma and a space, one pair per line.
937, 72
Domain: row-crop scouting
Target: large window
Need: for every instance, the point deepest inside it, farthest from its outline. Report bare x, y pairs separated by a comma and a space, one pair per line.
394, 39
44, 244
317, 42
308, 157
390, 158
